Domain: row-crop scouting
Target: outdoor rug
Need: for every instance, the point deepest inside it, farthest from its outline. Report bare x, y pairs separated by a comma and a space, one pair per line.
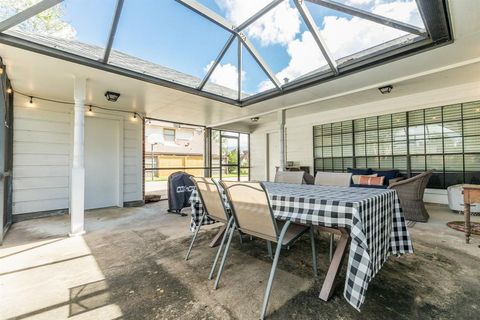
460, 226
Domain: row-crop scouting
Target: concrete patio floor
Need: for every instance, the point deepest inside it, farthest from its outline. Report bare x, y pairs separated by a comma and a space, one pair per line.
130, 265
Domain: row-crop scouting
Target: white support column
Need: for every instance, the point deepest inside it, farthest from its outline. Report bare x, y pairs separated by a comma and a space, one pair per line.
77, 188
281, 123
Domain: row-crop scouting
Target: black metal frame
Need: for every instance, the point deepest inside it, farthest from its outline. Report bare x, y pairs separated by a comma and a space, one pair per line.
409, 155
434, 13
238, 166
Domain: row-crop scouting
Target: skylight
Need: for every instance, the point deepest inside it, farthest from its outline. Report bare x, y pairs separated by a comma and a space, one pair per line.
231, 50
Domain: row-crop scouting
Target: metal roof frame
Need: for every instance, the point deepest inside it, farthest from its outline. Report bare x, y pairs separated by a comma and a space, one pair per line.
434, 14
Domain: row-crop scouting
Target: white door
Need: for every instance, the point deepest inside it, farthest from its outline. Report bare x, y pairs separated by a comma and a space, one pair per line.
102, 163
273, 154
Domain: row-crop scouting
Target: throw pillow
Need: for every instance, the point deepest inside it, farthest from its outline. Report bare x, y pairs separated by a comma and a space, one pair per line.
371, 181
356, 178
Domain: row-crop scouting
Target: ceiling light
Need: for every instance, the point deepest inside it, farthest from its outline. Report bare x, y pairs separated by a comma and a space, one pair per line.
386, 89
112, 96
255, 119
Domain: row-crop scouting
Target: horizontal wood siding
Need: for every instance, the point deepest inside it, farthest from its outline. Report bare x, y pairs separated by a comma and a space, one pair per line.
42, 154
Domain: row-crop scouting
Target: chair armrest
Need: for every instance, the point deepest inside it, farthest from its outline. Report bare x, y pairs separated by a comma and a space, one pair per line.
394, 180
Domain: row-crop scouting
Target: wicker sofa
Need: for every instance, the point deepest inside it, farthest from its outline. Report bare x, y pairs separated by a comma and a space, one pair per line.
390, 176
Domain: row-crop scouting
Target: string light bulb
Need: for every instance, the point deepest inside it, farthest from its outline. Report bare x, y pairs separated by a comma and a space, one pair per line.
1, 70
30, 103
9, 90
90, 112
134, 116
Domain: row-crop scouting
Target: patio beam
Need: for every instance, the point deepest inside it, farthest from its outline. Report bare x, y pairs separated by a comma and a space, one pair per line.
239, 68
312, 26
217, 61
27, 13
258, 58
370, 16
208, 14
258, 15
113, 30
224, 23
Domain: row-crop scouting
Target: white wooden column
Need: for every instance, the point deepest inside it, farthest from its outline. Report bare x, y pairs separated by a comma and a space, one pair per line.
281, 123
77, 188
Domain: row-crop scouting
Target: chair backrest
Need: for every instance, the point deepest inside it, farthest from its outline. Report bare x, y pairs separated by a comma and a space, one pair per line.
251, 209
333, 179
211, 198
289, 177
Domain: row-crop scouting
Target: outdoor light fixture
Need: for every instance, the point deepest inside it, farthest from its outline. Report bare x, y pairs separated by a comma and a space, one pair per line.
386, 89
1, 70
9, 90
112, 96
30, 103
134, 116
255, 119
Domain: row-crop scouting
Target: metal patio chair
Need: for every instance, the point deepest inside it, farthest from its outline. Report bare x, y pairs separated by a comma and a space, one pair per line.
295, 177
253, 215
340, 179
214, 208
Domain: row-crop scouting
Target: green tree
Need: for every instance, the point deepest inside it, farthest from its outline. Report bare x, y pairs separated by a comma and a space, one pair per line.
49, 22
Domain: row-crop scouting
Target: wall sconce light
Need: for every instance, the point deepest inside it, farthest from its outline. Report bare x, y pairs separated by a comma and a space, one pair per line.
112, 96
386, 89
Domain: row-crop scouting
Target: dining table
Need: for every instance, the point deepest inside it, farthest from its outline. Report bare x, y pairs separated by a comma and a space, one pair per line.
370, 223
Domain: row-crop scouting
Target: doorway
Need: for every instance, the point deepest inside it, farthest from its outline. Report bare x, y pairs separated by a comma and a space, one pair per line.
6, 154
103, 163
273, 154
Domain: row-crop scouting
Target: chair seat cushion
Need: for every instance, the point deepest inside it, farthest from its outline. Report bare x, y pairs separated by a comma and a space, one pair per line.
294, 231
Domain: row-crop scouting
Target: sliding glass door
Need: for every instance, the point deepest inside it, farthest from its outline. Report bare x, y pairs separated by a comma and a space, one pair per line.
230, 155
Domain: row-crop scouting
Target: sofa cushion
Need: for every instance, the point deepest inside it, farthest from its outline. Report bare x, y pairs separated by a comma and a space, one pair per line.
367, 186
388, 174
360, 172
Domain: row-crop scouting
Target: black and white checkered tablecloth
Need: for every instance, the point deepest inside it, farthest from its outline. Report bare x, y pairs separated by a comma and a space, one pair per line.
373, 218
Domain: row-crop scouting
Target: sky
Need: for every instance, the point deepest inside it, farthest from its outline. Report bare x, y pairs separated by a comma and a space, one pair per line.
169, 34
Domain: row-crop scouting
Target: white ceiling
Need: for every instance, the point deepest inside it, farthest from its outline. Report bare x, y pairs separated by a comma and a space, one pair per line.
40, 75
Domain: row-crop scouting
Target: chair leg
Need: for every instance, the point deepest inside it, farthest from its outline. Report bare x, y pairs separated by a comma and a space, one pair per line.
222, 264
331, 246
195, 235
220, 248
274, 269
240, 236
269, 248
314, 253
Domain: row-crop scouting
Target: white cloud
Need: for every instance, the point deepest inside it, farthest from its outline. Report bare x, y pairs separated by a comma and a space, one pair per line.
343, 36
224, 75
278, 26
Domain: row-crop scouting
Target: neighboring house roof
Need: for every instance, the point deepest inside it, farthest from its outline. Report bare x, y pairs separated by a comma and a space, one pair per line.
123, 60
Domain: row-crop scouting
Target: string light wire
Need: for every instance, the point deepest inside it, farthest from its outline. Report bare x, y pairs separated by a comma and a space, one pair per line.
31, 97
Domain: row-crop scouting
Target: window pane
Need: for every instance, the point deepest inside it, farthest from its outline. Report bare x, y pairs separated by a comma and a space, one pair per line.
400, 163
454, 163
359, 124
472, 162
386, 162
372, 149
453, 145
385, 121
417, 163
399, 147
371, 123
399, 119
417, 147
452, 129
385, 135
347, 138
400, 134
385, 148
360, 137
372, 162
433, 131
244, 150
318, 153
471, 127
347, 126
415, 117
434, 146
347, 150
372, 136
435, 162
229, 151
453, 112
361, 162
347, 163
360, 150
416, 132
433, 115
471, 110
337, 151
337, 164
472, 144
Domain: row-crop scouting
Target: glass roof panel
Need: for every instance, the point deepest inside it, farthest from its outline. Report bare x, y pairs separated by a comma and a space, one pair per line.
345, 35
288, 47
9, 8
164, 39
71, 26
254, 78
224, 79
400, 10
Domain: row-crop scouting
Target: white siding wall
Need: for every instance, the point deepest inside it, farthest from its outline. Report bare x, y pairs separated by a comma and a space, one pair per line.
299, 142
42, 152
